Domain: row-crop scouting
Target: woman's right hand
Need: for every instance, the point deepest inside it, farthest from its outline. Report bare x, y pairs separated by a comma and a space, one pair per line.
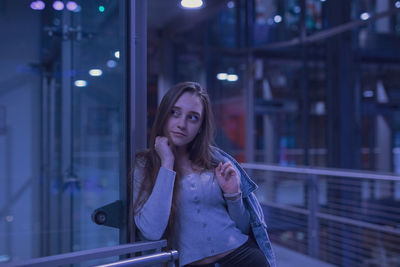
164, 151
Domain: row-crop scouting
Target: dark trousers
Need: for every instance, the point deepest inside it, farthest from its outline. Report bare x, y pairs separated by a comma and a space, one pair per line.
248, 254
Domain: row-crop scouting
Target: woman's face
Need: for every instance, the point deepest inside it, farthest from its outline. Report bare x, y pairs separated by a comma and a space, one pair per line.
184, 119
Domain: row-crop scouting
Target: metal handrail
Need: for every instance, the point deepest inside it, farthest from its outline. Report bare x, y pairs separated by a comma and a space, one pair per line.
146, 260
322, 171
382, 231
91, 254
320, 215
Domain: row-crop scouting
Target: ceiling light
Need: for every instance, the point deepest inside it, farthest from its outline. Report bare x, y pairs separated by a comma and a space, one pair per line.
191, 3
95, 72
222, 76
364, 16
58, 5
230, 4
278, 19
72, 5
232, 77
38, 5
116, 54
80, 83
397, 4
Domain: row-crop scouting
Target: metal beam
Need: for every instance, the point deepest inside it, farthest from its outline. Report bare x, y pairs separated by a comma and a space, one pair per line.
136, 130
316, 37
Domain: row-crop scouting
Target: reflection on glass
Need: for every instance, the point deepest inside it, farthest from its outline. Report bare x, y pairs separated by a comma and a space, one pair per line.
61, 125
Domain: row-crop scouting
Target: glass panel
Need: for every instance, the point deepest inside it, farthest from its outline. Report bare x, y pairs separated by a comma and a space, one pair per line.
364, 9
62, 138
276, 21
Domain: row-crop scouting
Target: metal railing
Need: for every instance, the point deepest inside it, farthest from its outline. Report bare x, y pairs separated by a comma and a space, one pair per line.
146, 260
344, 217
101, 253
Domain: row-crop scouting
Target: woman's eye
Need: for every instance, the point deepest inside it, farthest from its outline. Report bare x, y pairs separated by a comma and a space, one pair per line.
174, 113
193, 117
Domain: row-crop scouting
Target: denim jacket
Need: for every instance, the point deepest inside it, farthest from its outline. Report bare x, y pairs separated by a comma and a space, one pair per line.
257, 222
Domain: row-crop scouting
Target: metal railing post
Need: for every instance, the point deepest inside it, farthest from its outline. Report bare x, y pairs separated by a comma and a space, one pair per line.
313, 224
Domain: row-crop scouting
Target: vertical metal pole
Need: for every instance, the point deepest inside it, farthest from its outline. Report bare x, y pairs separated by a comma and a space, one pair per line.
240, 23
53, 167
8, 189
64, 203
124, 166
250, 119
140, 70
43, 192
313, 224
343, 118
304, 84
136, 93
311, 189
250, 110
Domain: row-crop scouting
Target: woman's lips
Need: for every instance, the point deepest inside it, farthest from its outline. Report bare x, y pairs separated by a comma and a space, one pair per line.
178, 134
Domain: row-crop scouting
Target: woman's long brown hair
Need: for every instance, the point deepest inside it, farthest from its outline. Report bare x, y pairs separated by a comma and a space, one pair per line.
199, 149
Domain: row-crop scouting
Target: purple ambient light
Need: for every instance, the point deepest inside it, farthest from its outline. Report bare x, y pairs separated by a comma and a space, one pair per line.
38, 5
72, 6
58, 5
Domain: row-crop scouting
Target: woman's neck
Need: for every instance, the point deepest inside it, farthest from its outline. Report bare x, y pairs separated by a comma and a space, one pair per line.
184, 164
182, 157
181, 152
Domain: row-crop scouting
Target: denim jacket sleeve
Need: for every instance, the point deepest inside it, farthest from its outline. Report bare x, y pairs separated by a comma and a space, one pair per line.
257, 221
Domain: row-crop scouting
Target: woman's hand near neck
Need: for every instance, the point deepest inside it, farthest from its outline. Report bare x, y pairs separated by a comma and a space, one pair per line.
165, 151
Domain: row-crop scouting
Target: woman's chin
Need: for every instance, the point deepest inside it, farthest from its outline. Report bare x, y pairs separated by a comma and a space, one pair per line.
178, 143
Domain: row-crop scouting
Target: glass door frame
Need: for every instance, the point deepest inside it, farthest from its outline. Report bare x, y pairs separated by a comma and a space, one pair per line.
133, 15
136, 105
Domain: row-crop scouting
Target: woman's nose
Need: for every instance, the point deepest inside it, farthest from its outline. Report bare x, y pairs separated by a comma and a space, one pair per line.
182, 123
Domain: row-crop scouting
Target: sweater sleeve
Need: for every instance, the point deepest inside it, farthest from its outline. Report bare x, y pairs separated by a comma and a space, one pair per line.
237, 211
239, 214
152, 219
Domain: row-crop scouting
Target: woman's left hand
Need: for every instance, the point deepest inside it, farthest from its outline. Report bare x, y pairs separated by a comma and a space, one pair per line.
227, 177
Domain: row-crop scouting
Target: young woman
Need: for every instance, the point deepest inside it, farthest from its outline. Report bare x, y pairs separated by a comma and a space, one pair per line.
194, 194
